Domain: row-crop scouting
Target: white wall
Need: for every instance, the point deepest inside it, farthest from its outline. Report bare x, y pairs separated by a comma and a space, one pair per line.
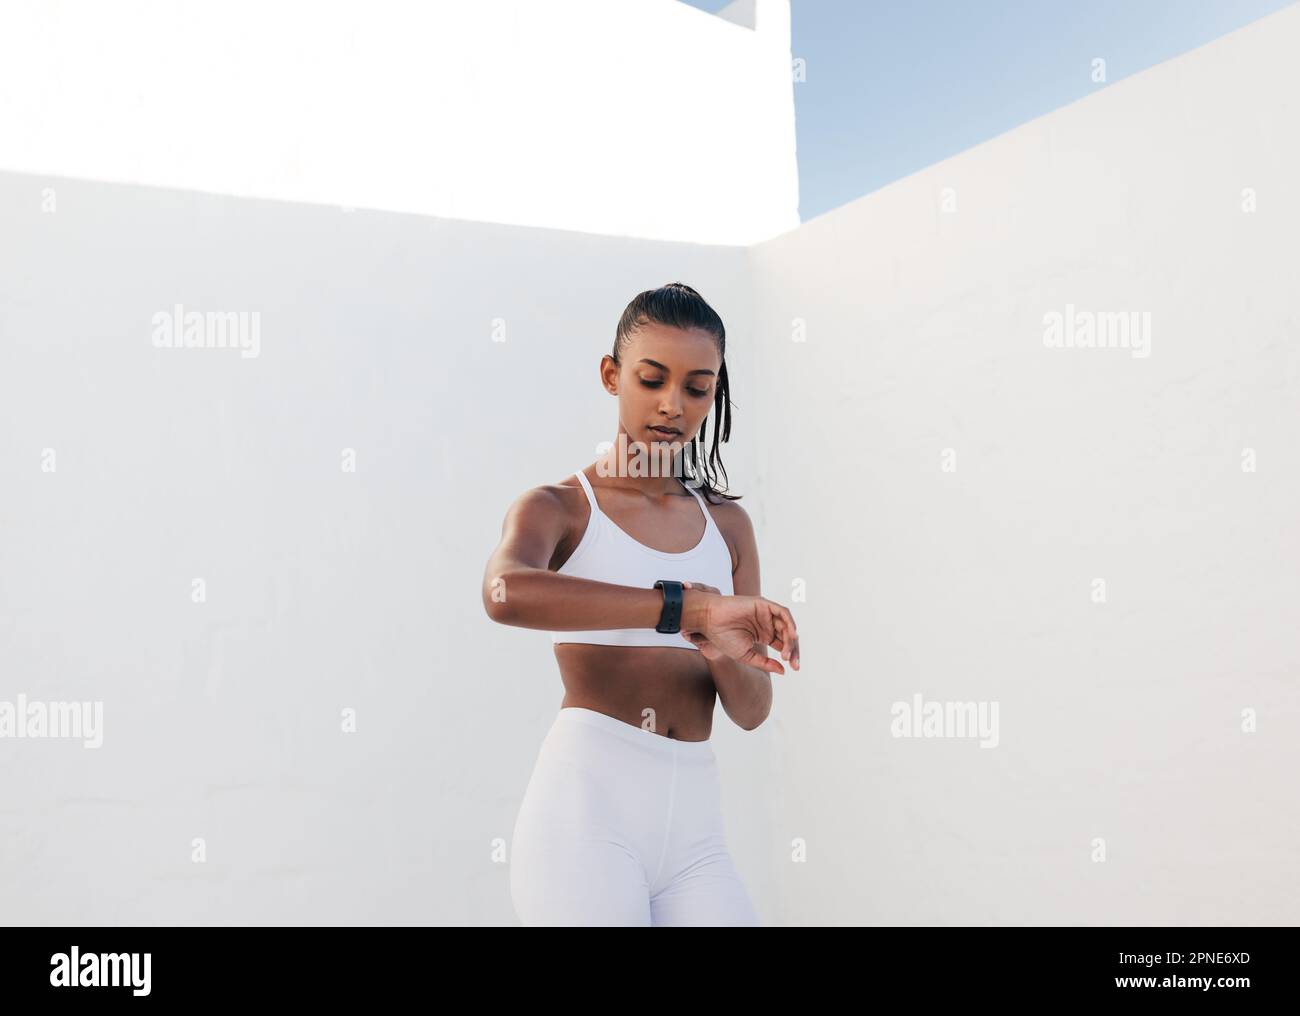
1122, 720
643, 118
325, 589
328, 589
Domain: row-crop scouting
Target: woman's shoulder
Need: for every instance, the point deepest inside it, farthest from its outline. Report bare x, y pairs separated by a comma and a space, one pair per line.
725, 509
563, 501
735, 526
550, 502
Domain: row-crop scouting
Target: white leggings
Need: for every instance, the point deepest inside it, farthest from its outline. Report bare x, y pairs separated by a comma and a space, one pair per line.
620, 826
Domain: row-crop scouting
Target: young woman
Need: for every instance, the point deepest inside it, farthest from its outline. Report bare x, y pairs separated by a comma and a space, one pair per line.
651, 593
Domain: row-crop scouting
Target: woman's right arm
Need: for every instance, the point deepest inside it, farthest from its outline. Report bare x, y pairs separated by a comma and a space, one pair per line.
520, 590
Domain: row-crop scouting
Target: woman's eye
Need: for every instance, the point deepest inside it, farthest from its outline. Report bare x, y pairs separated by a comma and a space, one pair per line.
698, 393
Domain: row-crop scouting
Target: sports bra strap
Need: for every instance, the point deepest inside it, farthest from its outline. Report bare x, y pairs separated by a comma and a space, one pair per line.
698, 496
704, 507
591, 494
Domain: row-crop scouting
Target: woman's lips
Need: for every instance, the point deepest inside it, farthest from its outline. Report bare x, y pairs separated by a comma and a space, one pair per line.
663, 435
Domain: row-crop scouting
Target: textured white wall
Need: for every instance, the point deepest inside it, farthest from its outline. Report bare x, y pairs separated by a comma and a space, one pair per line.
639, 118
1122, 720
923, 332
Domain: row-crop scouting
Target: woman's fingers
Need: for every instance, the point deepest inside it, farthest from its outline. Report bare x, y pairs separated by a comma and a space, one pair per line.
757, 657
787, 635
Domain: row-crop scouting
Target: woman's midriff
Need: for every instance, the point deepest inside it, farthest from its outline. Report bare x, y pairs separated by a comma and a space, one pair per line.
627, 682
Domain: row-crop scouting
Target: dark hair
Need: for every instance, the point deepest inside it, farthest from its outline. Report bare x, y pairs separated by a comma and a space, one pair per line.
679, 306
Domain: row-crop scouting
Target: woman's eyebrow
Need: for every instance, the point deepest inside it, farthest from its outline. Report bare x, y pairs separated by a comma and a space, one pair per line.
656, 363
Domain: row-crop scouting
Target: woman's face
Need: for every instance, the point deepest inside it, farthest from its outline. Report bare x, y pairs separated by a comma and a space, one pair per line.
668, 379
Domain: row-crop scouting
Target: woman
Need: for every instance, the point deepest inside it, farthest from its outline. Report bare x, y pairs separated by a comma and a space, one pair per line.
652, 620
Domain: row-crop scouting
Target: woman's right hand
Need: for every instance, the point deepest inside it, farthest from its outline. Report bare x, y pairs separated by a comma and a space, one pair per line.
742, 627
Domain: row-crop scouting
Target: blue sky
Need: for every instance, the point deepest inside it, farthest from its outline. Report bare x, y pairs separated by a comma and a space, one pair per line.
895, 86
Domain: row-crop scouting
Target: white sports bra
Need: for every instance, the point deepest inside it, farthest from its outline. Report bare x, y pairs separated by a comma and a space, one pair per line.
607, 554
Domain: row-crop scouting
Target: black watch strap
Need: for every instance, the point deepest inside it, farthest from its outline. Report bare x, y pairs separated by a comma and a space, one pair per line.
670, 618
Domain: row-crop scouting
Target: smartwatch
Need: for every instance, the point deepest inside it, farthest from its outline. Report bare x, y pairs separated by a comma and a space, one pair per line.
670, 618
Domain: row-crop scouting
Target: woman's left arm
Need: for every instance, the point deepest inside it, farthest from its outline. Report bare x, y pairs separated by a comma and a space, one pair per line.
745, 691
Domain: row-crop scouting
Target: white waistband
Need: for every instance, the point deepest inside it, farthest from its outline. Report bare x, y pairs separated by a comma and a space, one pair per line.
668, 746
